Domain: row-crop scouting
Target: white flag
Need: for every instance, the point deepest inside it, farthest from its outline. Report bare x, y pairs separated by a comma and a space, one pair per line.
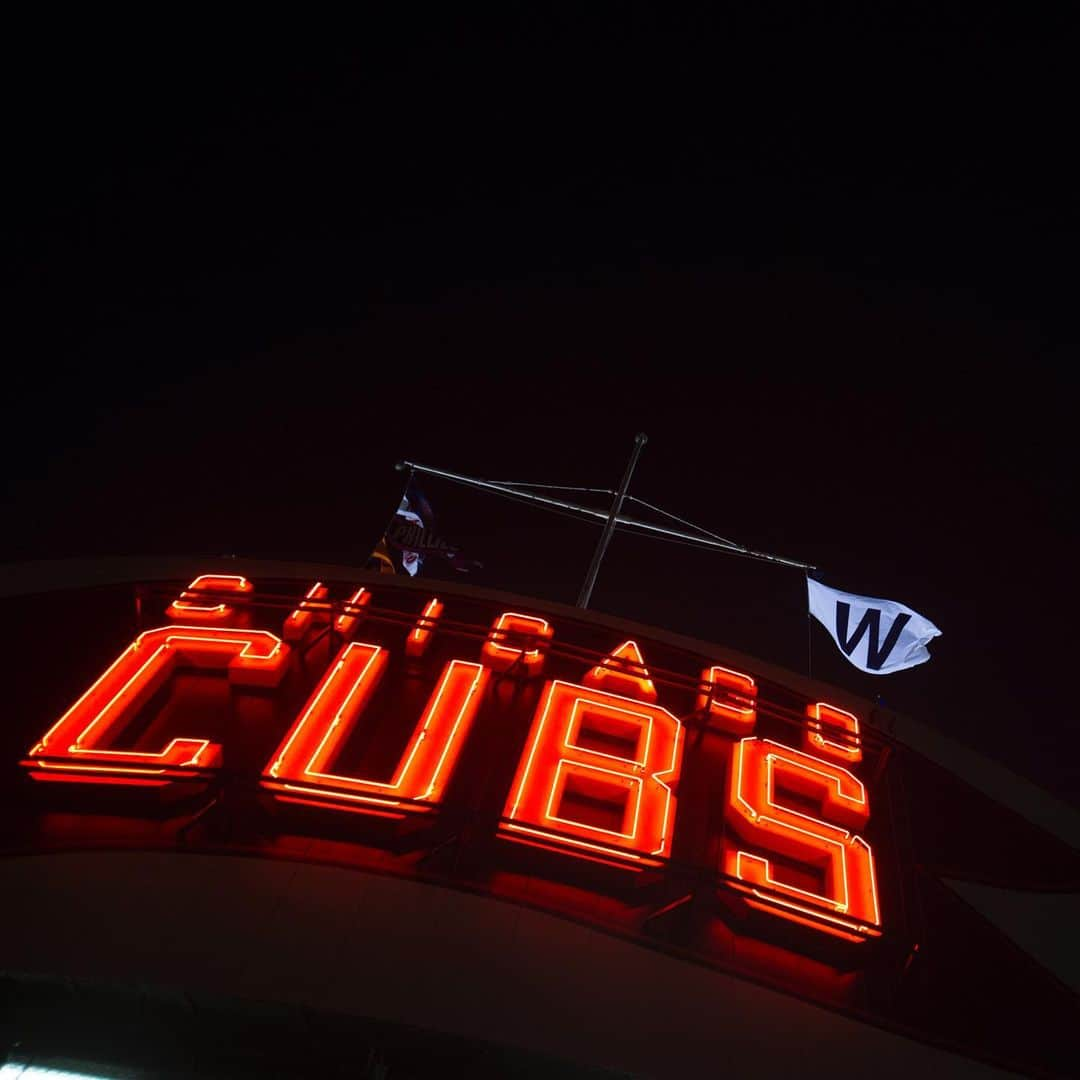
877, 636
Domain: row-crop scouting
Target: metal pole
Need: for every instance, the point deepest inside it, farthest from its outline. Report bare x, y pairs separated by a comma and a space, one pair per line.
609, 527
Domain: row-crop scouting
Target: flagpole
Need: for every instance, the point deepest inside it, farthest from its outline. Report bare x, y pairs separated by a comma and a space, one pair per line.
609, 526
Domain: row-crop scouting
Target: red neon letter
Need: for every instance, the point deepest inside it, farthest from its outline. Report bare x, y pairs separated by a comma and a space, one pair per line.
352, 612
76, 742
730, 698
299, 622
420, 638
836, 892
832, 732
300, 768
193, 606
623, 671
500, 654
597, 774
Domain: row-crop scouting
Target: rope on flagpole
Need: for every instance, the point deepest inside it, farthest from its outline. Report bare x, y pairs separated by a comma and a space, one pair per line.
555, 487
681, 521
608, 491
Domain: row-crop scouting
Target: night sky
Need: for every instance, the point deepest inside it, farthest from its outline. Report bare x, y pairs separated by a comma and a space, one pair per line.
829, 269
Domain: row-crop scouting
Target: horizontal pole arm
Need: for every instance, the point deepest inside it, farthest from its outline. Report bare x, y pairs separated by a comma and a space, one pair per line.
659, 531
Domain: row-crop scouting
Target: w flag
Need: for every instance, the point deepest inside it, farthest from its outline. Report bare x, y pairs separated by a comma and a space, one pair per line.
877, 636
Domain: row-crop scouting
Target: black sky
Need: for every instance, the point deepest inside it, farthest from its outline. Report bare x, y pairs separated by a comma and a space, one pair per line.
828, 268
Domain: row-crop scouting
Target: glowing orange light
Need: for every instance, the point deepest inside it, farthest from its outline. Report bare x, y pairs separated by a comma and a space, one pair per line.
597, 775
730, 698
76, 742
824, 721
420, 638
299, 622
532, 634
353, 612
301, 765
761, 772
193, 606
623, 671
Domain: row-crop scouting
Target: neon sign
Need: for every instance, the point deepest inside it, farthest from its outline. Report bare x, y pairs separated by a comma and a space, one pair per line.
77, 742
757, 808
300, 770
602, 746
598, 775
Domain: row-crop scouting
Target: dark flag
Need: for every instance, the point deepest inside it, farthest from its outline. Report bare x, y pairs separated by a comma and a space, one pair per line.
411, 538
